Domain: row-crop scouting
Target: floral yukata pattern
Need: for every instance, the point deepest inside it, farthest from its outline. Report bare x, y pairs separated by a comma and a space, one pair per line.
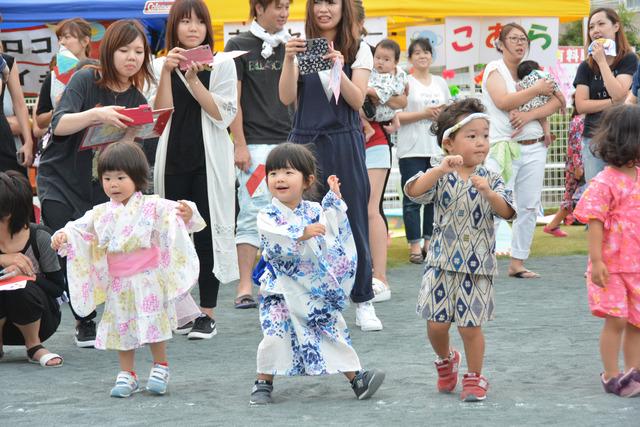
139, 308
304, 292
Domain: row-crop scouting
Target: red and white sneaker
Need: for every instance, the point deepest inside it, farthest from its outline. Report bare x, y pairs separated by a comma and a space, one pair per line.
474, 387
448, 372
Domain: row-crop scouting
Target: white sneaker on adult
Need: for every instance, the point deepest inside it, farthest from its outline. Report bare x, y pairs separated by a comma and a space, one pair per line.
366, 317
380, 290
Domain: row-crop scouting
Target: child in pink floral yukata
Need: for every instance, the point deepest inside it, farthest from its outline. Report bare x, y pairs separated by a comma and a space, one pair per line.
611, 205
134, 253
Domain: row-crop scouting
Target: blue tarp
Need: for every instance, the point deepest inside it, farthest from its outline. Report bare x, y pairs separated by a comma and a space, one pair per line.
57, 10
28, 13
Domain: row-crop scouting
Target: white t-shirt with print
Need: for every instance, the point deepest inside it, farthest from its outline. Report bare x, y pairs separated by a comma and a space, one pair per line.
415, 139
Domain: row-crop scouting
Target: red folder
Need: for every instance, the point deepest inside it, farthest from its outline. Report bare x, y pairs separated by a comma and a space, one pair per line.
255, 179
15, 282
141, 115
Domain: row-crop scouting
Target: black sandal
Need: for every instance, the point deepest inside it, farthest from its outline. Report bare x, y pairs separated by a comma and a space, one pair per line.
244, 302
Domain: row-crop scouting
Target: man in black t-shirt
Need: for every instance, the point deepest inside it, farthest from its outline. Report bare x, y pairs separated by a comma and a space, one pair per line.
261, 123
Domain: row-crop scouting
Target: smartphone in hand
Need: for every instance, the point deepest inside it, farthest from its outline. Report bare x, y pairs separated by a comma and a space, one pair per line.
20, 157
201, 54
311, 60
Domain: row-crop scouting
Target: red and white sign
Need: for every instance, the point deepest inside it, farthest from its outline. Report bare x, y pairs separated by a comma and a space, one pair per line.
570, 54
157, 7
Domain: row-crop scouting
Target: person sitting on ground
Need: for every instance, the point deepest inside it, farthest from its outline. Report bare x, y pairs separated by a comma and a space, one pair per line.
28, 315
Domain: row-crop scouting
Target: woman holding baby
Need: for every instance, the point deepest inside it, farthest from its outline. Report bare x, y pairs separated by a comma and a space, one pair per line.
603, 79
518, 150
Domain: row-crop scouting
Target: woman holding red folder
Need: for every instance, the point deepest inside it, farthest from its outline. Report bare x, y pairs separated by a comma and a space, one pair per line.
68, 184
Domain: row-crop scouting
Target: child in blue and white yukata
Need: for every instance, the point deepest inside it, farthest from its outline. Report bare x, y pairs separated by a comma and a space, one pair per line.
457, 286
306, 274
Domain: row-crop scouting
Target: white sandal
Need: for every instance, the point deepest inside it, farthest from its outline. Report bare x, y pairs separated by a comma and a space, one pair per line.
46, 358
380, 290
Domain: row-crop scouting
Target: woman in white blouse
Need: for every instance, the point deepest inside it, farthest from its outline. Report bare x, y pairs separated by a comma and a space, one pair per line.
416, 145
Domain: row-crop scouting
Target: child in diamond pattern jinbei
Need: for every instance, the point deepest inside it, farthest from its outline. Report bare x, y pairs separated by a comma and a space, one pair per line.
457, 286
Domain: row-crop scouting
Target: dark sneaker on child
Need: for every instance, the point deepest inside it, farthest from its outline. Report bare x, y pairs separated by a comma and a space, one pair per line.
612, 385
204, 327
366, 383
86, 334
261, 393
474, 387
184, 329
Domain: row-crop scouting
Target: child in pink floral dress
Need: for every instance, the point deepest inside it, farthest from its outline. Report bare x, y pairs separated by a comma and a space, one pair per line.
134, 254
610, 205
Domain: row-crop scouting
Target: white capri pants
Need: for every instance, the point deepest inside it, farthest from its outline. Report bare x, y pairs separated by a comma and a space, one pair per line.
526, 182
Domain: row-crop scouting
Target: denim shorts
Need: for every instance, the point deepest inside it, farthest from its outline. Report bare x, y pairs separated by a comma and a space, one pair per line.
378, 157
251, 203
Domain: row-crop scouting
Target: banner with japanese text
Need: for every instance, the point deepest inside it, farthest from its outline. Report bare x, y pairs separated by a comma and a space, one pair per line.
463, 42
470, 41
543, 35
489, 32
564, 71
33, 48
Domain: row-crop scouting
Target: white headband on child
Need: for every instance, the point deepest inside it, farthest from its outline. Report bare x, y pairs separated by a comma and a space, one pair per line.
463, 122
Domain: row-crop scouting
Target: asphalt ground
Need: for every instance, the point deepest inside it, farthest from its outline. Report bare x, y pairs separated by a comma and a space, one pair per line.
542, 362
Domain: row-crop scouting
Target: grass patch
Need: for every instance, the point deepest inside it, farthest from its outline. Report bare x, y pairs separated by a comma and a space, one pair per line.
543, 245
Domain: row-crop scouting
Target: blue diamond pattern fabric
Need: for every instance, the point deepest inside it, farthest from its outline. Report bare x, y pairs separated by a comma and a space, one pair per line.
461, 298
463, 223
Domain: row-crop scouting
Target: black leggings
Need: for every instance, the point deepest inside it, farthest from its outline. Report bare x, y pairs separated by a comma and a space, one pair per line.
55, 215
193, 187
24, 306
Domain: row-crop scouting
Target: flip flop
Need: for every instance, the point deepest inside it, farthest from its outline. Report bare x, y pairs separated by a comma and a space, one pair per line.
245, 301
525, 274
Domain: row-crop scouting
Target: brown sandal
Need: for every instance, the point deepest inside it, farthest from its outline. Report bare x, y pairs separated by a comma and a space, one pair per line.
416, 258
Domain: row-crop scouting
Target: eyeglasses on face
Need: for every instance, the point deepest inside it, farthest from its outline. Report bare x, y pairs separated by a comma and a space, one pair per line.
518, 40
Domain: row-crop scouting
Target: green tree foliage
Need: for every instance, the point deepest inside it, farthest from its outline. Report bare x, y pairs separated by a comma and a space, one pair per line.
572, 36
630, 29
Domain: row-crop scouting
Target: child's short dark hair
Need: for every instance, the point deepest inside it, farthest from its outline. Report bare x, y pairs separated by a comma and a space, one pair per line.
127, 157
452, 114
391, 45
526, 67
298, 157
423, 43
616, 140
290, 155
16, 200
